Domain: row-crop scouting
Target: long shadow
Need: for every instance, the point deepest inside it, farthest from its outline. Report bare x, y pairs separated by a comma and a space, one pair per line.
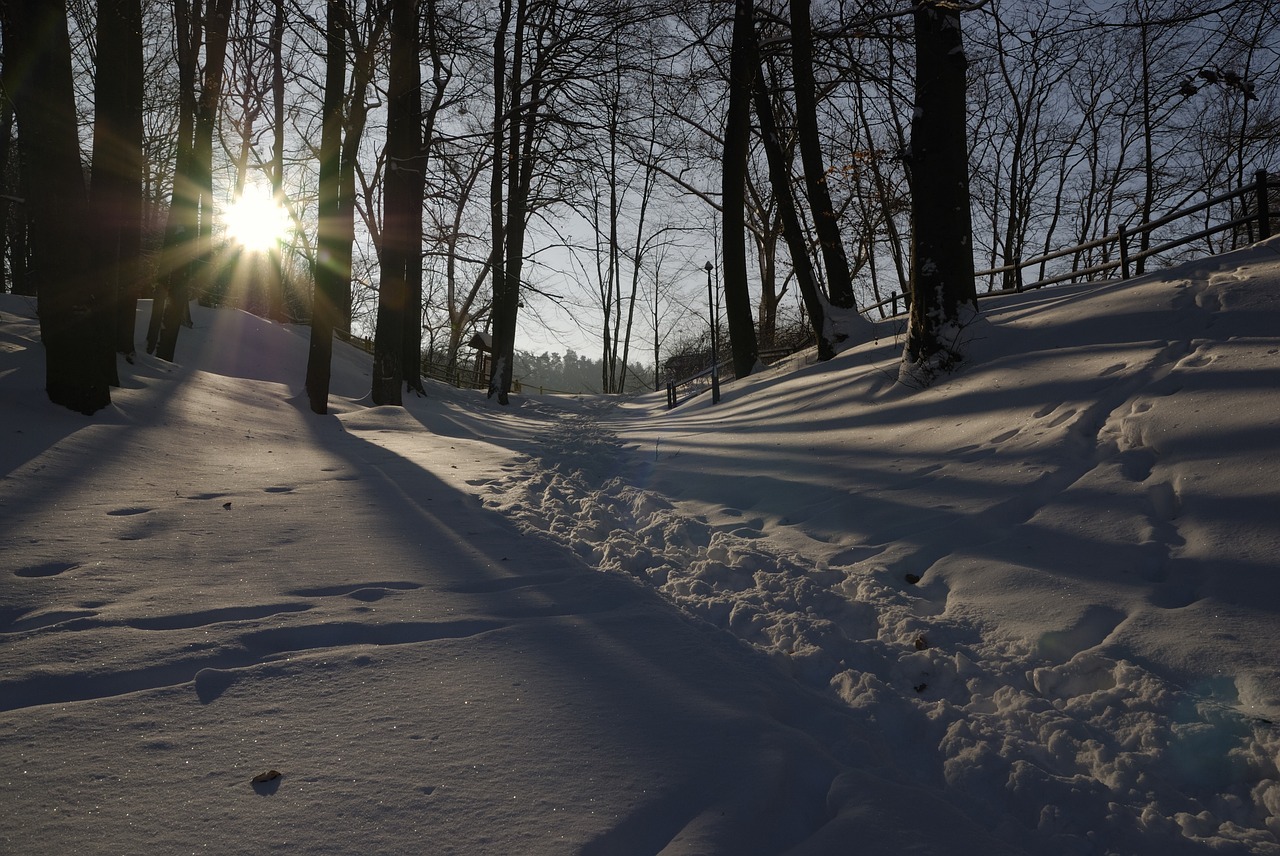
30, 424
667, 675
652, 671
153, 386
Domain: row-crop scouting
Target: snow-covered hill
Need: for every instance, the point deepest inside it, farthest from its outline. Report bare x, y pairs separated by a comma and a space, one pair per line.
1030, 609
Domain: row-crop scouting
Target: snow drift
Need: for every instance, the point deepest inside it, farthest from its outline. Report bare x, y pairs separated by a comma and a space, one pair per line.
1029, 609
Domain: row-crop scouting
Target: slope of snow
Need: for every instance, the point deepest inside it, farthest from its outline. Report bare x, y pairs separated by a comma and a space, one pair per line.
1030, 609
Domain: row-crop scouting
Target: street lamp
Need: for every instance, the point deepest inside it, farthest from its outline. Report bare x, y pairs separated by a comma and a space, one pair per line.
714, 311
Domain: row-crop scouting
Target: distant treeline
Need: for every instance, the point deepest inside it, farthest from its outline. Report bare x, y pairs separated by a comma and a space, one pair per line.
572, 372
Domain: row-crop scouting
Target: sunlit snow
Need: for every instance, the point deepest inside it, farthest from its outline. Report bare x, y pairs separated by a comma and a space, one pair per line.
1030, 609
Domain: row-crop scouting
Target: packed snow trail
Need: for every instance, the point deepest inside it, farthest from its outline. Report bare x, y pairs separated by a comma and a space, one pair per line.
1025, 610
210, 585
1044, 714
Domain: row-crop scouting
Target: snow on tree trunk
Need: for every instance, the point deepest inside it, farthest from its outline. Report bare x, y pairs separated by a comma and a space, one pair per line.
943, 292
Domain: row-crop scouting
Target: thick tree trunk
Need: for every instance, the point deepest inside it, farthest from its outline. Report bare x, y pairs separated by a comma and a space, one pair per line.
942, 283
329, 273
404, 125
115, 197
737, 139
75, 326
412, 343
508, 227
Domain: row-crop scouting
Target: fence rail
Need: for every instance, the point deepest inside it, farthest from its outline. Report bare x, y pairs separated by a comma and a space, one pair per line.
1258, 215
1255, 213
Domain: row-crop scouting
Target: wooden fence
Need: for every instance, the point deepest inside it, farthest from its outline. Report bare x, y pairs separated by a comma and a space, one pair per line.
1250, 210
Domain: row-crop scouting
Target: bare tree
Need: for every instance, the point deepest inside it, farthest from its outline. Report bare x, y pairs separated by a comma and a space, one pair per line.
793, 231
825, 220
737, 133
942, 282
402, 205
275, 263
505, 232
115, 197
331, 233
441, 74
75, 324
619, 165
542, 54
188, 238
456, 174
182, 223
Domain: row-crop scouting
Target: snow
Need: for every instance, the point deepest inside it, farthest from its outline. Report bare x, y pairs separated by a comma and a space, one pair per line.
1029, 609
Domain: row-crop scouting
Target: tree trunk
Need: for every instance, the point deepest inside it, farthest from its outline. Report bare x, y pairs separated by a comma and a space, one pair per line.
411, 337
461, 302
6, 153
1148, 152
497, 225
519, 182
275, 271
737, 134
116, 173
199, 242
329, 273
404, 125
942, 282
184, 206
792, 231
412, 343
75, 327
770, 298
613, 289
366, 55
825, 223
508, 235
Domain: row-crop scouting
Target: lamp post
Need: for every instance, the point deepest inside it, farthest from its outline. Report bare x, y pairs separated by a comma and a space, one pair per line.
714, 311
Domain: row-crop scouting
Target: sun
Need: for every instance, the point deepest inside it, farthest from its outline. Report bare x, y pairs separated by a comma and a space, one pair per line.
256, 221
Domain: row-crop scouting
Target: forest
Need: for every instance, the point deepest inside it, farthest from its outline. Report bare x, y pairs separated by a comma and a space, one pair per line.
622, 177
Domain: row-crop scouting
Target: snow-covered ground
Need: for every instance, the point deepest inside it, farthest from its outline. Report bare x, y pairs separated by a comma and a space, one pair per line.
1031, 609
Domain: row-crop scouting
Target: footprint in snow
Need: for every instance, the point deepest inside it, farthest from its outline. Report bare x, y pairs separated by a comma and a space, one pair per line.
128, 512
48, 569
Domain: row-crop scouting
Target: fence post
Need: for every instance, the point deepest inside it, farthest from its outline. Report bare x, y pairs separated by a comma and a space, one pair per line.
1264, 206
893, 304
671, 395
1124, 254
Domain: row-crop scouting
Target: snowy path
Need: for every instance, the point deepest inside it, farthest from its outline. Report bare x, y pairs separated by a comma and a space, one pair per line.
1026, 610
903, 628
217, 584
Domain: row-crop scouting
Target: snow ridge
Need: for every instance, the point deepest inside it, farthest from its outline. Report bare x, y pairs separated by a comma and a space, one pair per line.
1044, 734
